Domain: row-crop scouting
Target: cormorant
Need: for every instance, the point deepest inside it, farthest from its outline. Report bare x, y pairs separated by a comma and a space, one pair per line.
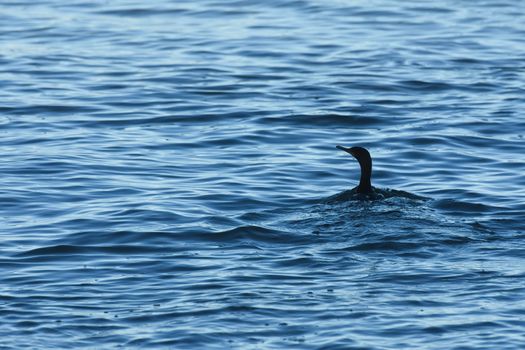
365, 161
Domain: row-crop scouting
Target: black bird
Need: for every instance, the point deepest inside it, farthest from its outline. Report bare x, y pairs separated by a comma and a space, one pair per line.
365, 161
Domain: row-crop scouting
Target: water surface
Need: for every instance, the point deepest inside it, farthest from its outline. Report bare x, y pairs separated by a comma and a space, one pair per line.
166, 170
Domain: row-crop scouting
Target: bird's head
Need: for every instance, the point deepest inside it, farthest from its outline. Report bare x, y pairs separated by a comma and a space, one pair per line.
359, 153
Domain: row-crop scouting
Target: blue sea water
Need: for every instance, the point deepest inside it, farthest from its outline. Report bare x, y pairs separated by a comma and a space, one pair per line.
167, 169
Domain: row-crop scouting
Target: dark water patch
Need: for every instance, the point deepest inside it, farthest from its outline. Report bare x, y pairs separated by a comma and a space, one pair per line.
52, 109
126, 121
143, 12
128, 237
69, 251
430, 9
384, 246
332, 120
424, 86
251, 233
461, 208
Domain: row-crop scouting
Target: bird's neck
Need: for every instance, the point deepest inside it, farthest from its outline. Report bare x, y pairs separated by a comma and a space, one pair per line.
365, 182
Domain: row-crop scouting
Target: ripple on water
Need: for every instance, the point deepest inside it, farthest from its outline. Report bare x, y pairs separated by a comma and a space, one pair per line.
169, 177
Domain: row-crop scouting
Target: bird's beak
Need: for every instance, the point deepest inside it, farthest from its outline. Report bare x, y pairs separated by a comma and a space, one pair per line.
344, 149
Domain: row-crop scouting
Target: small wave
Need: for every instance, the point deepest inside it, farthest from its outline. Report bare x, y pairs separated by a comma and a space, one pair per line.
142, 12
68, 252
333, 119
461, 207
387, 245
251, 233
